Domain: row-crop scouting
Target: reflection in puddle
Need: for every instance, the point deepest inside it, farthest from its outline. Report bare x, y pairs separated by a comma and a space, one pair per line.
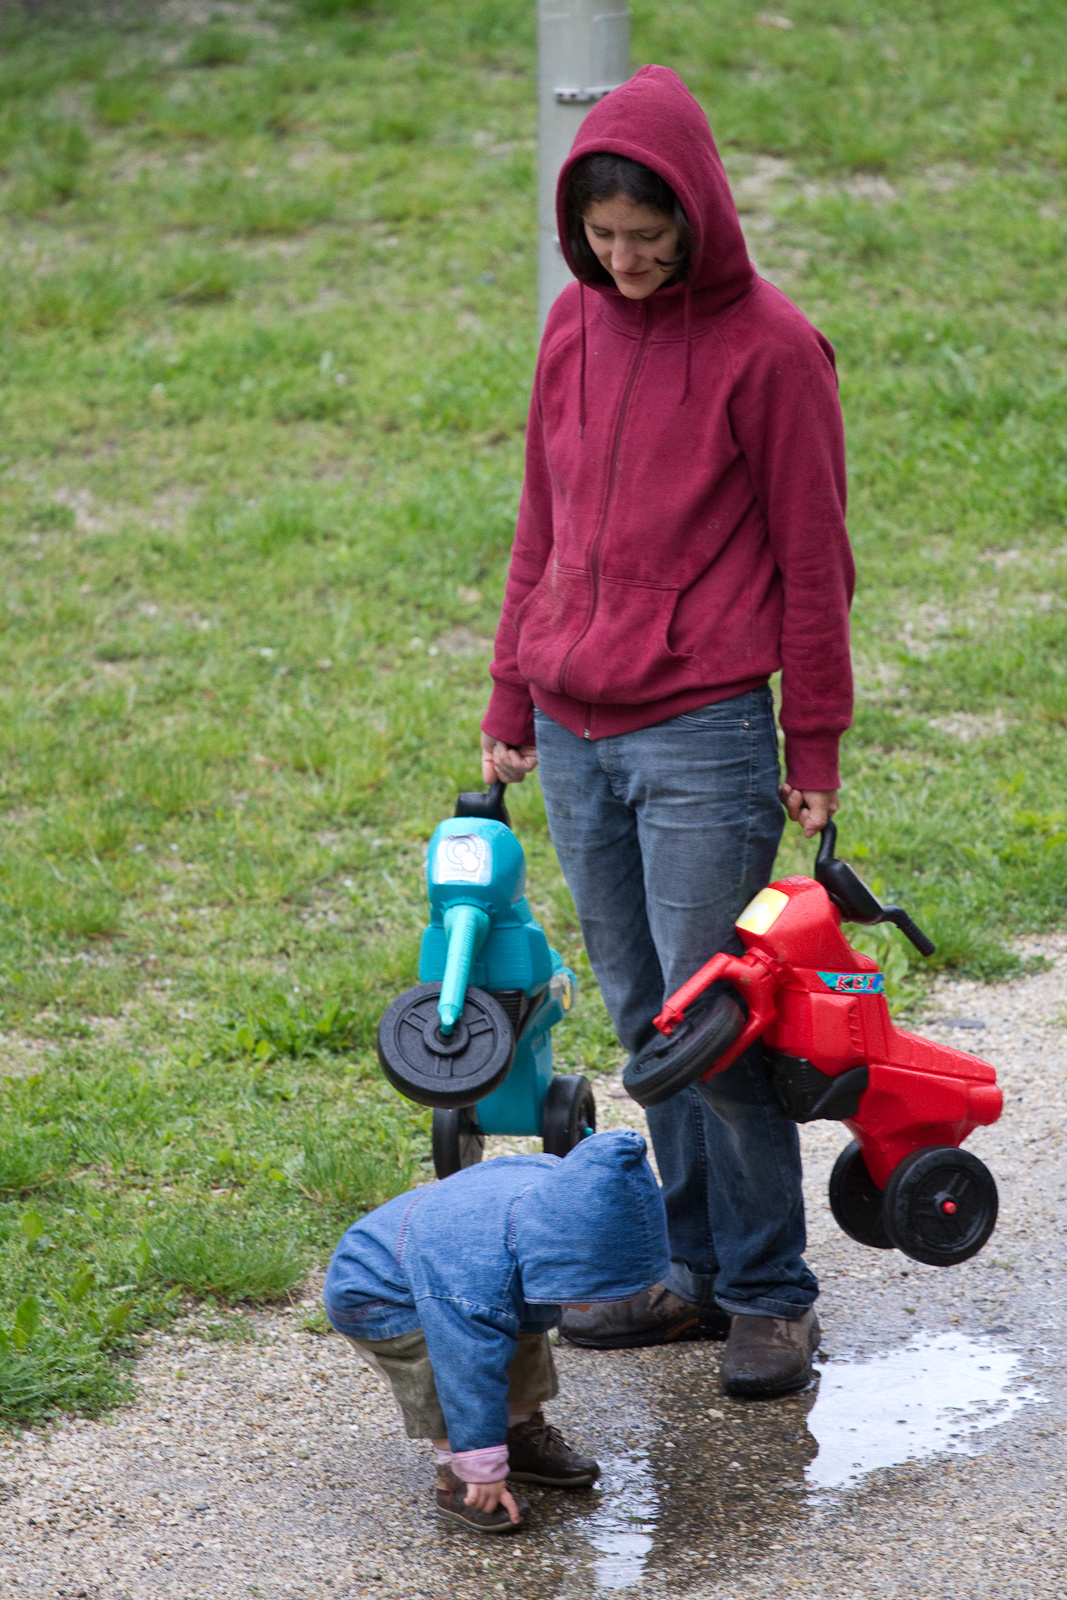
621, 1529
928, 1397
702, 1475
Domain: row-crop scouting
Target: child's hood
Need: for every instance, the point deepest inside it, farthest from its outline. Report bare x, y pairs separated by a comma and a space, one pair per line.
654, 119
592, 1226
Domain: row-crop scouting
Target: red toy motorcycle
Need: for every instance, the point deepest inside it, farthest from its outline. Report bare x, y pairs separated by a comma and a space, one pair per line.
819, 1007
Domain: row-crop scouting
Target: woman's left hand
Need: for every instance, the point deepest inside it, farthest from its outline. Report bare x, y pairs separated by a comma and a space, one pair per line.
812, 808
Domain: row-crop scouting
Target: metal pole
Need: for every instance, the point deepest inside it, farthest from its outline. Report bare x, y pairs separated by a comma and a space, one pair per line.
583, 50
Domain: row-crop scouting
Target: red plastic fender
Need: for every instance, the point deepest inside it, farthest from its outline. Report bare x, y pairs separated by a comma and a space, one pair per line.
903, 1110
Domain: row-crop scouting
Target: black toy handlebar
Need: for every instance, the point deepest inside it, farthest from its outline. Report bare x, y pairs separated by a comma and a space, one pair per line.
489, 804
854, 900
911, 930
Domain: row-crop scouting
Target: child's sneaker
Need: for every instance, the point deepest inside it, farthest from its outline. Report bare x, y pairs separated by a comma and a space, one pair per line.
537, 1453
451, 1502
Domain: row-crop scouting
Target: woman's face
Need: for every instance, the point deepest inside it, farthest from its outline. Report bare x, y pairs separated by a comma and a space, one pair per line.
630, 241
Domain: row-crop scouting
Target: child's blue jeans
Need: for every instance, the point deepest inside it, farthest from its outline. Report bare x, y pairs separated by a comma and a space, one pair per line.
664, 835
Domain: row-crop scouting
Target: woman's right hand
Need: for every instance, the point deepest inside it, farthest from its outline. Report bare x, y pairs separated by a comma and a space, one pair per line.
503, 762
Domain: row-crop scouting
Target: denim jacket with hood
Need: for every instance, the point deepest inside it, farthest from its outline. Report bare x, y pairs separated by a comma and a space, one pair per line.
492, 1252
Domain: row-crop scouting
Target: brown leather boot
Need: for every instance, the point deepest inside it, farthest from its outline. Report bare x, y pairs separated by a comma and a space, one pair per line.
655, 1316
768, 1356
538, 1453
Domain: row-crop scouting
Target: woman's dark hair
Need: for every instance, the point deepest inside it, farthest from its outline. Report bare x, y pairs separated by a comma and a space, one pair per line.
601, 176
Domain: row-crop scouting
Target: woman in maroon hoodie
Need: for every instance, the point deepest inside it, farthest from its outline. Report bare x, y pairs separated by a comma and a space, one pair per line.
681, 537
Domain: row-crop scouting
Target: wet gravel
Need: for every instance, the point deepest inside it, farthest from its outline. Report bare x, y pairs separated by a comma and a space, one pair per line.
279, 1468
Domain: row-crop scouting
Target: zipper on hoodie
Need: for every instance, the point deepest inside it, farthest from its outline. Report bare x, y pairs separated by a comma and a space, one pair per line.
612, 467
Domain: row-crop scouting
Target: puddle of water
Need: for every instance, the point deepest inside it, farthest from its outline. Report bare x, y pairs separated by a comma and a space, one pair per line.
936, 1394
622, 1527
931, 1396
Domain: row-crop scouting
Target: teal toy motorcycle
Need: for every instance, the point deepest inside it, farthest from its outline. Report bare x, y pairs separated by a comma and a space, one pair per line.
473, 1038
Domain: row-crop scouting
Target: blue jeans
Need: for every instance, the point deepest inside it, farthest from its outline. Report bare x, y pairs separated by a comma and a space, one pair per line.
664, 835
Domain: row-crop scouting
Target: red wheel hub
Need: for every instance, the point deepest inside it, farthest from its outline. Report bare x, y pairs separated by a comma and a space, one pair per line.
949, 1207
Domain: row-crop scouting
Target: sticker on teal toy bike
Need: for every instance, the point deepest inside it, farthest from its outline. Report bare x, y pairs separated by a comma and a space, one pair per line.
462, 858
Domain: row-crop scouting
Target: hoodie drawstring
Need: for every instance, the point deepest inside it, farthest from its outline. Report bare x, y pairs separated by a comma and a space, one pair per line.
688, 341
581, 374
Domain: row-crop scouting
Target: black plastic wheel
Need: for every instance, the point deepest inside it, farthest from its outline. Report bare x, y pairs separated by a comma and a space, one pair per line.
569, 1114
458, 1141
664, 1066
856, 1200
940, 1205
445, 1072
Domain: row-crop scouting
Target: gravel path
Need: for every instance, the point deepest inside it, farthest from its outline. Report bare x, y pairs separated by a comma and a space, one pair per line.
279, 1468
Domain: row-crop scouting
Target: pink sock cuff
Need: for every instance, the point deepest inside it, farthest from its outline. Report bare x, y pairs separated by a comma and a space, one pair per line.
482, 1466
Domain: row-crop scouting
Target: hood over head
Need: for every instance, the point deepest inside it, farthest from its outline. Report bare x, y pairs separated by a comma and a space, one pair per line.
654, 119
592, 1226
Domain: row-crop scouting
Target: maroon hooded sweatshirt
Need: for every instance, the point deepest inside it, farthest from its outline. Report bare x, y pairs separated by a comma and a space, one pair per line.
681, 533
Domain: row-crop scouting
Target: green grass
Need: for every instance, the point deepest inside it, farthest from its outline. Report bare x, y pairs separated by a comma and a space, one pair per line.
266, 335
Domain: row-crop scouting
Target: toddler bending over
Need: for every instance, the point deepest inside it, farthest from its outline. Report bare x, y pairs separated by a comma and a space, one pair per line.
449, 1291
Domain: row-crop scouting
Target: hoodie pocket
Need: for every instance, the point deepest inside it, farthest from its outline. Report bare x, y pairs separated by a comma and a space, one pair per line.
621, 654
549, 621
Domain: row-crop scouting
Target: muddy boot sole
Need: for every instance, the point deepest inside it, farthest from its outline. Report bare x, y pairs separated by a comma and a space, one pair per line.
705, 1326
748, 1389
